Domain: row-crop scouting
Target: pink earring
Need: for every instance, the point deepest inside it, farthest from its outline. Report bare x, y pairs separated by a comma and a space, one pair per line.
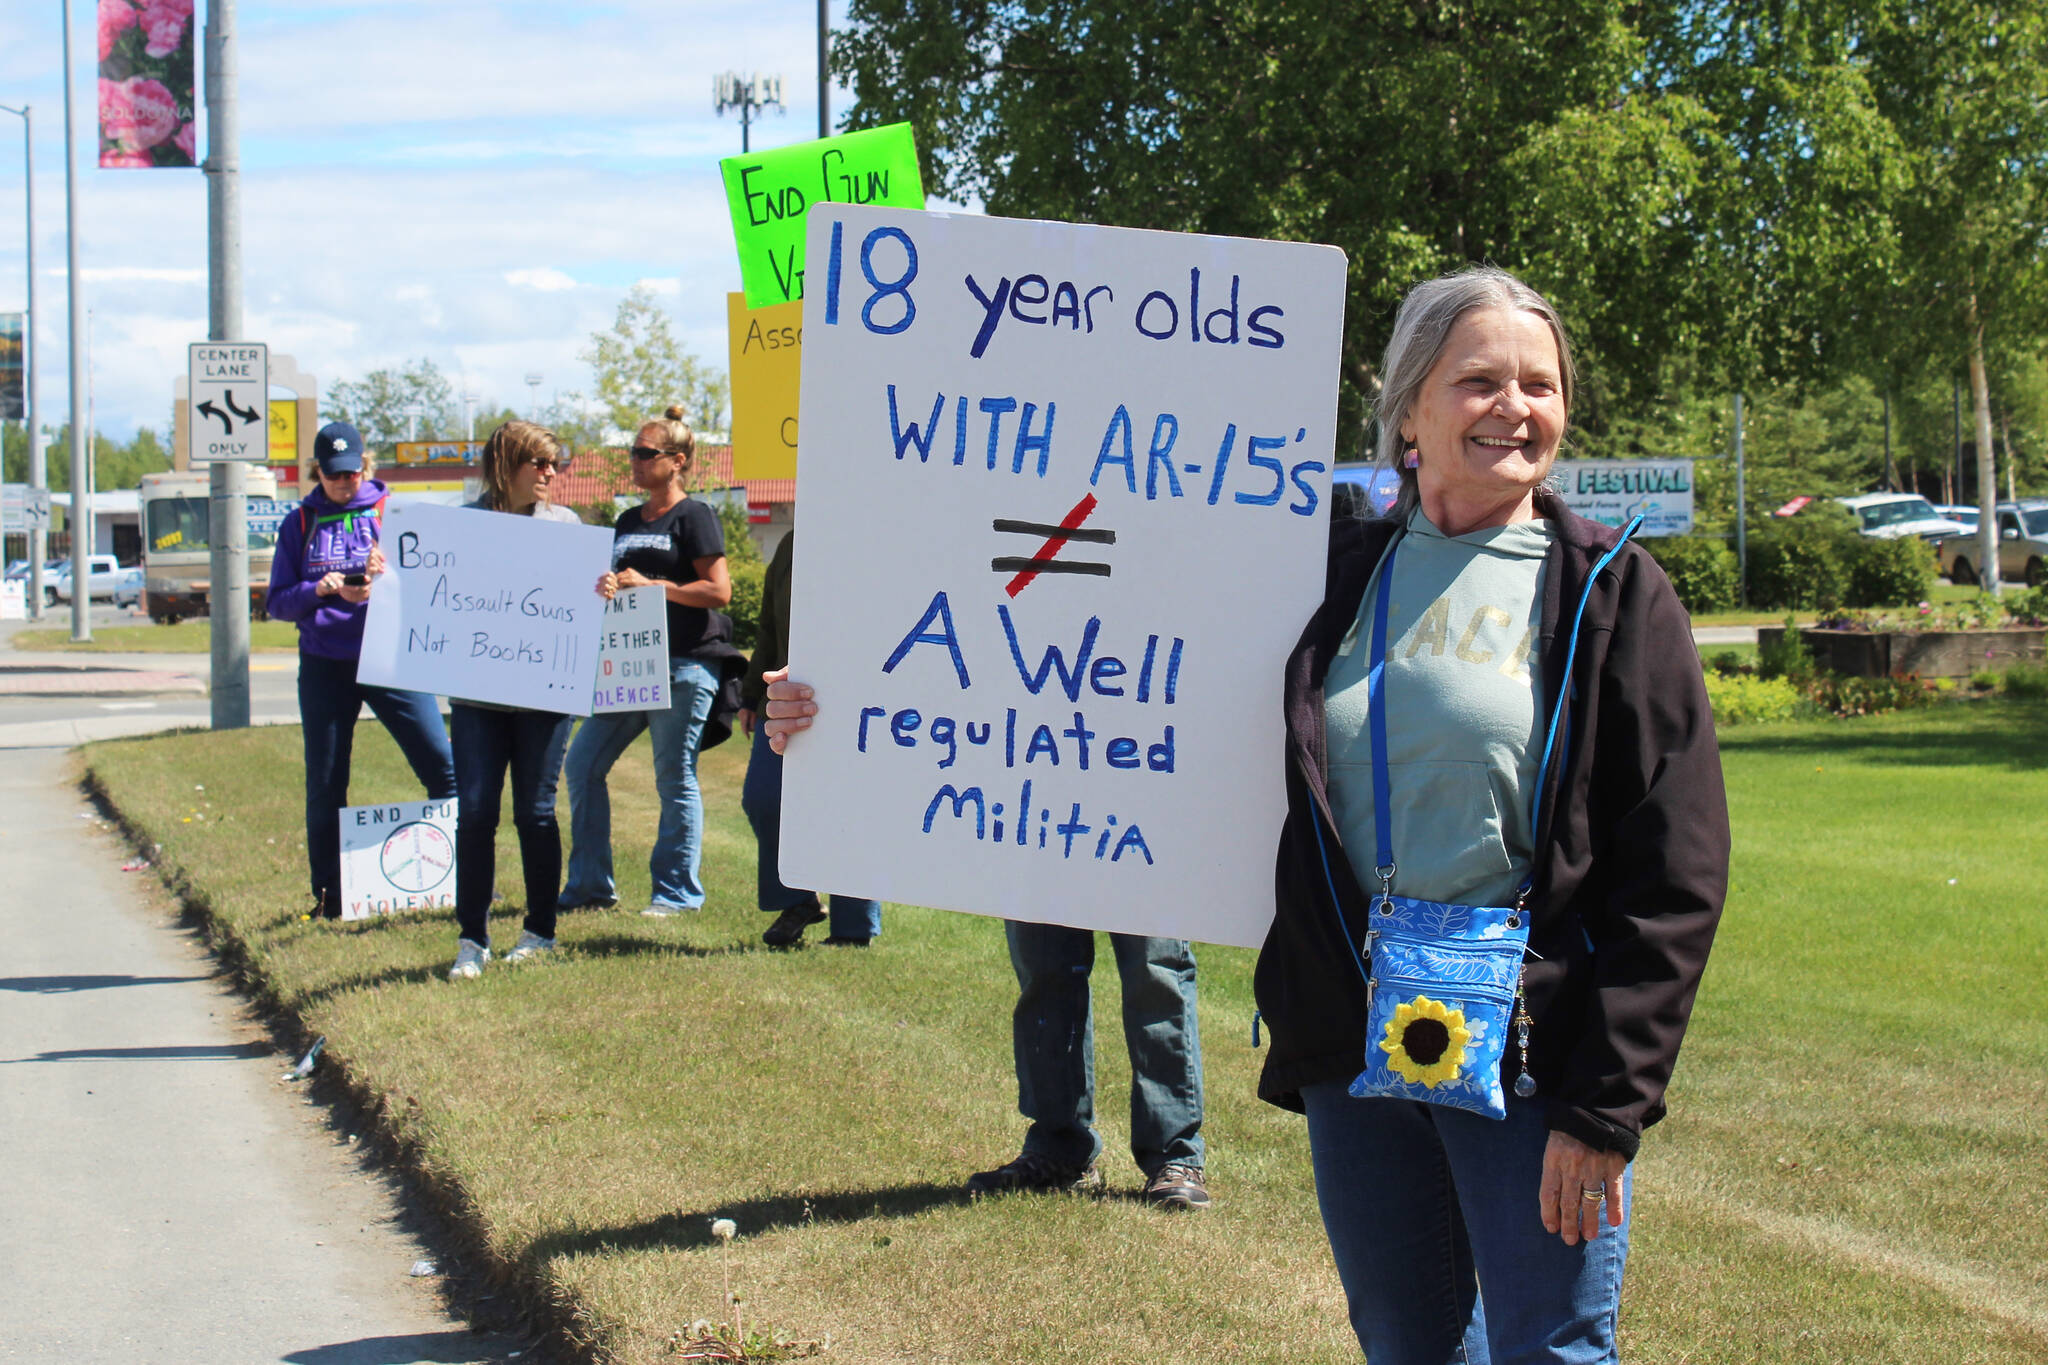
1411, 458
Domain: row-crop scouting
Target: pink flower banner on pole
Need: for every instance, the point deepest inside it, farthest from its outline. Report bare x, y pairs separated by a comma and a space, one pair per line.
146, 101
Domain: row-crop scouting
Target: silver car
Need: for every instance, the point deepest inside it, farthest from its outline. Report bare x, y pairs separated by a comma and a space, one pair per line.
2022, 547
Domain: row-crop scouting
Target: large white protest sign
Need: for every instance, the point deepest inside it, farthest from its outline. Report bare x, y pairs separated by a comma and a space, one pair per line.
397, 857
632, 659
1066, 504
481, 606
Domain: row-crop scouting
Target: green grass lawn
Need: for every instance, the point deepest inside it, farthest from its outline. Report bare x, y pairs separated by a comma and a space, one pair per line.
186, 637
1856, 1166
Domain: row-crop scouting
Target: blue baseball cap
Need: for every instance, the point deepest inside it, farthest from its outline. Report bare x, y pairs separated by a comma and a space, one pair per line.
339, 449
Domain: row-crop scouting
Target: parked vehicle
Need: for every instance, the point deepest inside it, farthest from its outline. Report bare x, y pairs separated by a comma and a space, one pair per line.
128, 588
1889, 516
176, 555
2022, 547
1956, 512
103, 572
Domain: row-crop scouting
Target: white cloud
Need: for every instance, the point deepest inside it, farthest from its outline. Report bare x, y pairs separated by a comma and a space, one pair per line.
135, 274
662, 286
544, 278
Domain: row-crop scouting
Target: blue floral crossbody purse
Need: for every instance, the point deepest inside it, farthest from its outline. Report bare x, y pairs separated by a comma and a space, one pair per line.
1443, 981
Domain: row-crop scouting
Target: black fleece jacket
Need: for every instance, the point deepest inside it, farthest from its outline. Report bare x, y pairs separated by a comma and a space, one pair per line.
1632, 847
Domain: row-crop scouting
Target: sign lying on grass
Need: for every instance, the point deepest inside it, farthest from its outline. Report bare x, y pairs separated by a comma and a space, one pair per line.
1060, 699
1614, 492
764, 348
770, 192
397, 857
632, 653
482, 606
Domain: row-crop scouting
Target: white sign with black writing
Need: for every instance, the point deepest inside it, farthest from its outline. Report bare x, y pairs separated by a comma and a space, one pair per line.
1071, 499
632, 657
484, 606
229, 382
397, 857
1616, 492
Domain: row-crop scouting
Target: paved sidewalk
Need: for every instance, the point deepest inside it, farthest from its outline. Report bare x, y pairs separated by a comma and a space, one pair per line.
166, 1198
93, 680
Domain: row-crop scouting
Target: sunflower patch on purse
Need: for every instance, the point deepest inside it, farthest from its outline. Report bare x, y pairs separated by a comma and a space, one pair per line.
1442, 980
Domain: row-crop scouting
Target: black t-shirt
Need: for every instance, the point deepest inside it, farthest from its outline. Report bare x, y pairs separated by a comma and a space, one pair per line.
668, 547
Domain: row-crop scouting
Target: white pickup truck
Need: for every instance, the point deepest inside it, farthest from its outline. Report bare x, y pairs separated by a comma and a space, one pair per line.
103, 575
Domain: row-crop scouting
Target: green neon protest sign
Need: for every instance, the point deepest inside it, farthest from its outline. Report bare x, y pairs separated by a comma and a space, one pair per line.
770, 192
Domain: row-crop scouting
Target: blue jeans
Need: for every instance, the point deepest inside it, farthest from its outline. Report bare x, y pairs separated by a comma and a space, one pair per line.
676, 861
330, 699
1431, 1213
761, 798
1053, 1034
487, 742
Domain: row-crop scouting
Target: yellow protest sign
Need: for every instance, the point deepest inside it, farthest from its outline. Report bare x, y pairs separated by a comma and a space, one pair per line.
764, 348
769, 193
284, 432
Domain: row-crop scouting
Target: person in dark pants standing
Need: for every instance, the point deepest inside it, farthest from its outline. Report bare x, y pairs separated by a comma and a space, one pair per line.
519, 463
854, 920
321, 576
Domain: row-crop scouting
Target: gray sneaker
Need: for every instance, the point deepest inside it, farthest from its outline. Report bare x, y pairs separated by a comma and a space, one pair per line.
1032, 1171
470, 958
663, 910
1177, 1185
530, 946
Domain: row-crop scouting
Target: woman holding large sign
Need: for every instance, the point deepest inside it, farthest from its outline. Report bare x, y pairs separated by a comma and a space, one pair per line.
674, 542
519, 463
1498, 705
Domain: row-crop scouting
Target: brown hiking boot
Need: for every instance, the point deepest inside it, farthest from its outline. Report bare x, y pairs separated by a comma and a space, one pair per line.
1177, 1185
1034, 1172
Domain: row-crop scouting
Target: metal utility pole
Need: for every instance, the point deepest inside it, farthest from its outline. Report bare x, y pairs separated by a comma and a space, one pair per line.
38, 476
227, 592
747, 94
81, 486
532, 396
1741, 514
824, 79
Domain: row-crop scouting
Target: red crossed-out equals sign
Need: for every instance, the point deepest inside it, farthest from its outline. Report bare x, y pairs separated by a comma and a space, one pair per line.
1056, 538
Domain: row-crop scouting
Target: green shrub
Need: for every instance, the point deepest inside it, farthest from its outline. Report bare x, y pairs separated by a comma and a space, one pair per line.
1743, 700
1802, 562
745, 607
1841, 696
2029, 608
2027, 681
1702, 570
1785, 657
1890, 573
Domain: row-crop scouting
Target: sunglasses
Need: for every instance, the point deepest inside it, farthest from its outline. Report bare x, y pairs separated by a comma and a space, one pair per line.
546, 466
649, 453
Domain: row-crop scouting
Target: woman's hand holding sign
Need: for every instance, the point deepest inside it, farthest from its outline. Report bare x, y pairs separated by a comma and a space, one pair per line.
790, 708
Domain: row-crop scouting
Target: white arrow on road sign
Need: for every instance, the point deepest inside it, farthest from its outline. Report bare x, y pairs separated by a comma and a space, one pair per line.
229, 384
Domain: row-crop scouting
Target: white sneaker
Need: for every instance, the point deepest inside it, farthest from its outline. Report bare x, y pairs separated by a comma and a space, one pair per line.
470, 958
530, 946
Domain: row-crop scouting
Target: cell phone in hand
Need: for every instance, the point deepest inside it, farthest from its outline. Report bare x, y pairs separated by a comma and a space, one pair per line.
358, 579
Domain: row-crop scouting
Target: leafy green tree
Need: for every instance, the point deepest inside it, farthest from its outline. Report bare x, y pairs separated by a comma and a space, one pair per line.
375, 405
641, 369
115, 464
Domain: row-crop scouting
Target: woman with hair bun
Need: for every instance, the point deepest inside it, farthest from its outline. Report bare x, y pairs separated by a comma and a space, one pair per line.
519, 463
674, 542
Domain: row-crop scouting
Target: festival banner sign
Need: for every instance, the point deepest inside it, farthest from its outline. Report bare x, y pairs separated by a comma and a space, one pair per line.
1615, 492
764, 348
632, 653
146, 103
770, 192
284, 430
1085, 475
397, 857
11, 390
481, 606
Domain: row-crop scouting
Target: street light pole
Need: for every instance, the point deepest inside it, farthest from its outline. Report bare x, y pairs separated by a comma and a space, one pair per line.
227, 590
81, 488
747, 94
824, 80
38, 476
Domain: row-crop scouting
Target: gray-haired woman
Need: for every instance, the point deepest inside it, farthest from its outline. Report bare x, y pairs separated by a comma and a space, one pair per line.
1497, 705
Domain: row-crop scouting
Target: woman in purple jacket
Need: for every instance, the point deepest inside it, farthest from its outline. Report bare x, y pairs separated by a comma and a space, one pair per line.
320, 576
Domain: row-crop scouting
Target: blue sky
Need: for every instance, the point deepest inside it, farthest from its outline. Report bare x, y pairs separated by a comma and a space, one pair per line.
478, 183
